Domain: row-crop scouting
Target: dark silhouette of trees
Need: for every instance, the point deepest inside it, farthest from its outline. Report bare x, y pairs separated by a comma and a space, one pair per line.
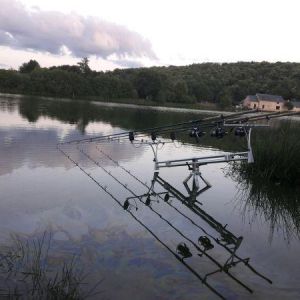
221, 84
84, 66
29, 66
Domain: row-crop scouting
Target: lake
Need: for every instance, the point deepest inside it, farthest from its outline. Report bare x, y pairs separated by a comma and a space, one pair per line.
42, 192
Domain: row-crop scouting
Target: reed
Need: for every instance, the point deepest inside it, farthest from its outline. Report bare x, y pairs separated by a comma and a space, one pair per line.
275, 204
25, 273
270, 187
277, 156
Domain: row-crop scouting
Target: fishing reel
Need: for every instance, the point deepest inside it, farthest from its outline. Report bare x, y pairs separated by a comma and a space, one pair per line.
229, 239
196, 132
205, 242
149, 200
131, 136
218, 132
173, 136
240, 131
167, 197
183, 250
153, 136
127, 205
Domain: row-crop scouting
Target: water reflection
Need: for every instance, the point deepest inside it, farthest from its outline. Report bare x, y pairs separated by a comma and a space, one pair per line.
82, 113
36, 147
183, 254
41, 190
278, 205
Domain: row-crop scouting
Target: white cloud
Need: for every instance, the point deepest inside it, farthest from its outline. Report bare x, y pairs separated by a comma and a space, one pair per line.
53, 31
188, 32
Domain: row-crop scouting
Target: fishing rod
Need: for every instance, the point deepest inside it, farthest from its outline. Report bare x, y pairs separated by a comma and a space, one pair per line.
196, 125
197, 128
206, 217
175, 254
180, 127
264, 115
172, 129
228, 119
157, 129
267, 117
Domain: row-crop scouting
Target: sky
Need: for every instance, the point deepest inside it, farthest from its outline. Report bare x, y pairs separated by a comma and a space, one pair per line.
134, 33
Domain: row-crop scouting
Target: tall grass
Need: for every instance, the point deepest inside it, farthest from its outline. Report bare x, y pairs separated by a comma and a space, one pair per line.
25, 273
277, 156
270, 187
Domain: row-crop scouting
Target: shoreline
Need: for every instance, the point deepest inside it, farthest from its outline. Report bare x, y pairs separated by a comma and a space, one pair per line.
139, 106
126, 105
161, 108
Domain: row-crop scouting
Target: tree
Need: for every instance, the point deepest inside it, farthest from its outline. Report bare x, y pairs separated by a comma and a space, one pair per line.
84, 66
181, 92
29, 67
224, 84
289, 105
225, 99
148, 84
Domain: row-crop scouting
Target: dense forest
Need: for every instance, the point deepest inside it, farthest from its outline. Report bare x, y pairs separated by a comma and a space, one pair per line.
223, 84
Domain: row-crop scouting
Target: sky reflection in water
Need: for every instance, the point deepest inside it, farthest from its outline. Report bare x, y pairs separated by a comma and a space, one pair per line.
41, 190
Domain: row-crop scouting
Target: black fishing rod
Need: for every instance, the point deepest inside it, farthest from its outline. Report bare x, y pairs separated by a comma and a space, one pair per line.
273, 116
264, 115
267, 117
197, 129
179, 127
236, 121
174, 128
183, 126
192, 125
158, 128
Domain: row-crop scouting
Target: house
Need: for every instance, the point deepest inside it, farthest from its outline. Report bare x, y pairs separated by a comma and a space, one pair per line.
265, 102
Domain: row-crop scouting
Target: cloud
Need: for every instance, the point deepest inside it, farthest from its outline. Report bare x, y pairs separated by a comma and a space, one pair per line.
58, 33
129, 63
125, 61
4, 66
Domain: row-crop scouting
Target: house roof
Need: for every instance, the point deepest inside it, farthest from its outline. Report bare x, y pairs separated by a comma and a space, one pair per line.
252, 98
267, 97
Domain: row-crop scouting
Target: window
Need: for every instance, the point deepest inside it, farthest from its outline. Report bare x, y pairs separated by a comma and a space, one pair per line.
254, 105
277, 107
263, 107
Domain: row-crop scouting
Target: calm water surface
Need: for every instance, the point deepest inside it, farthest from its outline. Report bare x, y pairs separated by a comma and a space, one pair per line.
41, 190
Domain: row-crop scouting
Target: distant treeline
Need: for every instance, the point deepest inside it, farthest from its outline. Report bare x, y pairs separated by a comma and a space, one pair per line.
222, 84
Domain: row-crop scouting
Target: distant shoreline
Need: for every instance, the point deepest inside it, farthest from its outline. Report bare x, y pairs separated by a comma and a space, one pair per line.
161, 108
139, 106
127, 105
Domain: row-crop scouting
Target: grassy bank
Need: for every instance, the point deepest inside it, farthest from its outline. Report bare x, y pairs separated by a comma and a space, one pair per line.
198, 105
